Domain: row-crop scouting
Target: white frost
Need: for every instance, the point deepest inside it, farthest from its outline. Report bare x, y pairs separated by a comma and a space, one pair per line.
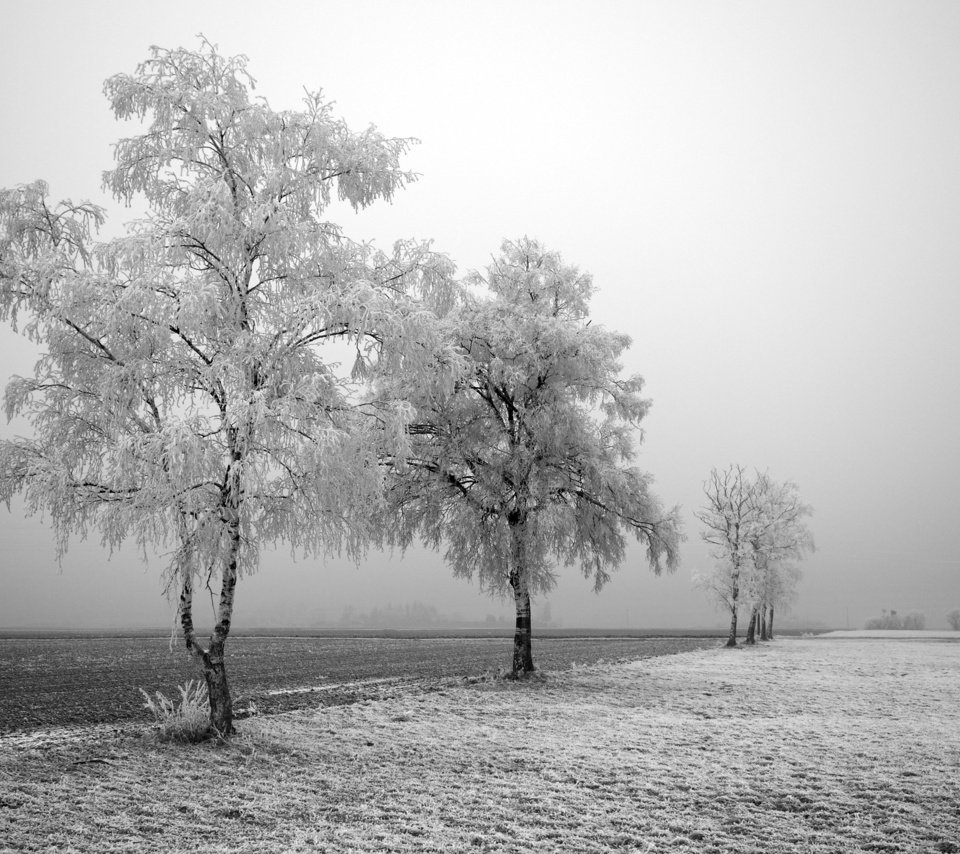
803, 746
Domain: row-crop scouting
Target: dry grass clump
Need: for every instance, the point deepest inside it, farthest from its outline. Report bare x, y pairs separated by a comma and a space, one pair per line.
799, 747
187, 721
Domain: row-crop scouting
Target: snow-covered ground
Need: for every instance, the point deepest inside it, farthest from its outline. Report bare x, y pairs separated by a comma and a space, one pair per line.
806, 745
895, 634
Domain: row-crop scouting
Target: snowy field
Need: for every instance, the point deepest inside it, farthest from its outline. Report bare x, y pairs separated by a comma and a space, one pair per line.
806, 745
895, 634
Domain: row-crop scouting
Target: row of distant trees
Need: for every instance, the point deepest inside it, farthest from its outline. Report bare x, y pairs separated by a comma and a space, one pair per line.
911, 620
236, 373
417, 615
893, 620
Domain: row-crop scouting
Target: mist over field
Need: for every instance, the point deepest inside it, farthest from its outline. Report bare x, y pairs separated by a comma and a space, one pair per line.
767, 197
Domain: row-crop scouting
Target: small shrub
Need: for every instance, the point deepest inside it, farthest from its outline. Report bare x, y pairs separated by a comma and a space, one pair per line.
186, 721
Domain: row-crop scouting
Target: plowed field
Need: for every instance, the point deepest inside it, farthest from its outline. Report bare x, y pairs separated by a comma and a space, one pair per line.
49, 682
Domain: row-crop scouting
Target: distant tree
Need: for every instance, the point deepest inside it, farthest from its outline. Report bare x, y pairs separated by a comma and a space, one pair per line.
915, 620
777, 533
754, 527
545, 615
728, 518
953, 619
779, 593
527, 461
891, 620
415, 615
887, 621
189, 395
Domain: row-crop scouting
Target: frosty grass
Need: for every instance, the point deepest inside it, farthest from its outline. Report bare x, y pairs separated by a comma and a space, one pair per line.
809, 745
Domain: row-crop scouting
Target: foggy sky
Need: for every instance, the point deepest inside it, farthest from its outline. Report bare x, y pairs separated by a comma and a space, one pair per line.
766, 193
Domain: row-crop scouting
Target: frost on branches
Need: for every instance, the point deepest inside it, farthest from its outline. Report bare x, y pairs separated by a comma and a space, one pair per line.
526, 462
755, 529
190, 396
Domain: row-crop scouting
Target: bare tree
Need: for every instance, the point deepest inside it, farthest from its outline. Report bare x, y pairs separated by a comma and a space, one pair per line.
779, 593
755, 527
778, 533
728, 518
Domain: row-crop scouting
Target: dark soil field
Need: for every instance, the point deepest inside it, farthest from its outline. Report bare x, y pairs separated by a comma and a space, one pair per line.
72, 680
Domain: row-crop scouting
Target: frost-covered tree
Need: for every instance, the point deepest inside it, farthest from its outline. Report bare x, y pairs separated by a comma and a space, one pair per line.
189, 397
727, 519
888, 620
777, 534
527, 462
778, 593
915, 620
892, 620
953, 619
755, 528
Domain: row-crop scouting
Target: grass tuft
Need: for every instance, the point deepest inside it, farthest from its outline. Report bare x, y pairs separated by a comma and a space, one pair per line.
187, 721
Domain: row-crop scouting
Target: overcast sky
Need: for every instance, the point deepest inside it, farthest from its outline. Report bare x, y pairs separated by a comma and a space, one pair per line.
766, 193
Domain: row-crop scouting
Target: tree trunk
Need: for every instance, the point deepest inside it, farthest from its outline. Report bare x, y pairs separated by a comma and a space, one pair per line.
221, 703
218, 690
770, 625
732, 639
212, 664
752, 626
523, 634
211, 659
764, 635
